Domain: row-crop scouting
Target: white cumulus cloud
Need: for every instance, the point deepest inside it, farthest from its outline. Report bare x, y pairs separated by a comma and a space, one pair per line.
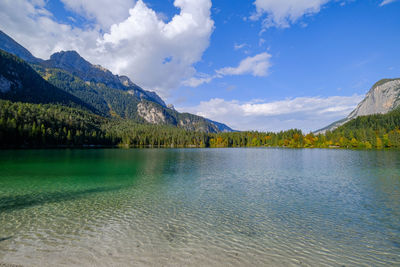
33, 26
257, 66
155, 54
284, 12
306, 113
200, 79
105, 12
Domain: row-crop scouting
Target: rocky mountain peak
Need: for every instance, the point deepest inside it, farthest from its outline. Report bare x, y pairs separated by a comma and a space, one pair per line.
383, 97
78, 66
71, 59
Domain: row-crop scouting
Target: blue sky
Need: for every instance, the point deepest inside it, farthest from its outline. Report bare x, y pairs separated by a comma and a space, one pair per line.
255, 65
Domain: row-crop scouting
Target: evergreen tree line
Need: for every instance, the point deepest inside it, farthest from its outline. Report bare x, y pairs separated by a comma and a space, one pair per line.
110, 102
49, 125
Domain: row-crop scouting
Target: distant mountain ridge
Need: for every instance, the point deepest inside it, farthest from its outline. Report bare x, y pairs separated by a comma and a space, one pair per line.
383, 97
73, 63
9, 45
19, 82
104, 93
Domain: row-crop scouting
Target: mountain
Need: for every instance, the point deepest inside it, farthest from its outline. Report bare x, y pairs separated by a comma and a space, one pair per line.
19, 82
73, 63
124, 104
9, 45
124, 99
102, 92
221, 127
383, 97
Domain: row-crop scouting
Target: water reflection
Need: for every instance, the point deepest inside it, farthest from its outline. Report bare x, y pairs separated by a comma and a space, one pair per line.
200, 206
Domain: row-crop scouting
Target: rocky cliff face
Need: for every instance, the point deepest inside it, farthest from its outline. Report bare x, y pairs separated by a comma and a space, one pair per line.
151, 113
383, 97
155, 114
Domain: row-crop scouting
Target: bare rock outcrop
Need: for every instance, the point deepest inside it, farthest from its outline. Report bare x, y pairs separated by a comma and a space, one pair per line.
151, 114
383, 97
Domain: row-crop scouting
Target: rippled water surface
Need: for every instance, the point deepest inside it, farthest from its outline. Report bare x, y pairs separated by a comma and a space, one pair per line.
200, 207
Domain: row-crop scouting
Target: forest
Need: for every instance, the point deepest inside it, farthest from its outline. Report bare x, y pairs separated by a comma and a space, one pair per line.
52, 125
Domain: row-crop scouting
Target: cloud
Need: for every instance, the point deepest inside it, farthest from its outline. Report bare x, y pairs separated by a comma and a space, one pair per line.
257, 66
140, 45
105, 12
33, 26
386, 2
239, 46
306, 113
155, 54
283, 13
199, 80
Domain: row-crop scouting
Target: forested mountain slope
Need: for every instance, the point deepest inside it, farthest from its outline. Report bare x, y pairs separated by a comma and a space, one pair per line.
49, 125
97, 89
19, 82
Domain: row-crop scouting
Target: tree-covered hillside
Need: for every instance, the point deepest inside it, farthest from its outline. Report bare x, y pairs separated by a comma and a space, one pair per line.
113, 102
107, 101
68, 79
373, 131
48, 107
19, 82
49, 125
41, 125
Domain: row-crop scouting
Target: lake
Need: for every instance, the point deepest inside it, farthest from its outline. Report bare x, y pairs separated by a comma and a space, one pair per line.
199, 207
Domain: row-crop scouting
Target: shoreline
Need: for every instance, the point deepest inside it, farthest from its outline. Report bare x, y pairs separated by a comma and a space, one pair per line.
94, 147
9, 265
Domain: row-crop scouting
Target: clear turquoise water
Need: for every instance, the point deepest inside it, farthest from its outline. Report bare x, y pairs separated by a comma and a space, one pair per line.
197, 207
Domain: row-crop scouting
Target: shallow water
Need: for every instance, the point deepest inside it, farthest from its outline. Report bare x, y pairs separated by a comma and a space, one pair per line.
197, 207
